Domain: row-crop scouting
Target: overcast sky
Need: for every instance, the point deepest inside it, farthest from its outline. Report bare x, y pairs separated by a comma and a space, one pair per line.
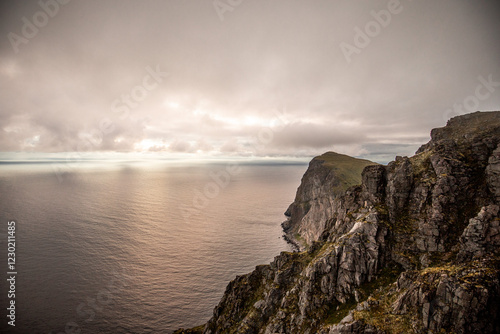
242, 78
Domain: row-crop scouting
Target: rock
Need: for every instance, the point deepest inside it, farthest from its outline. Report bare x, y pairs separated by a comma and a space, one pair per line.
328, 176
374, 180
460, 298
493, 173
482, 235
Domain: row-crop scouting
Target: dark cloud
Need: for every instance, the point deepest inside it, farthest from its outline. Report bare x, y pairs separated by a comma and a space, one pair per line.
268, 65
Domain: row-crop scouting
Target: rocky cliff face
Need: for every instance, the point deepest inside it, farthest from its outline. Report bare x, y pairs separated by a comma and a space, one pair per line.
328, 176
413, 249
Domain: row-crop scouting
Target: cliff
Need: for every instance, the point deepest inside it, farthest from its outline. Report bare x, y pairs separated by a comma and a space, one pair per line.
413, 249
328, 176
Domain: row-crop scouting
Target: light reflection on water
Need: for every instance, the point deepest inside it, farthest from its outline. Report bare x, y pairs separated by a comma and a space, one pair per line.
76, 236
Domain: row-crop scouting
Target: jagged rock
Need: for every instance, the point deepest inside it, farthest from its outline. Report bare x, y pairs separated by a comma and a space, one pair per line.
482, 235
413, 249
460, 298
399, 183
493, 173
373, 180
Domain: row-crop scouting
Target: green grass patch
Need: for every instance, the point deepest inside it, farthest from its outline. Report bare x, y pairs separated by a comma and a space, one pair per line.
347, 169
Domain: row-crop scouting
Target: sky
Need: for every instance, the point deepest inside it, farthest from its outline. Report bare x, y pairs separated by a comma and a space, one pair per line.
241, 78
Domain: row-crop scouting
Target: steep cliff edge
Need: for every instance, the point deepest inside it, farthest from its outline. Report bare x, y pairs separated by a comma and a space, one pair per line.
414, 249
328, 176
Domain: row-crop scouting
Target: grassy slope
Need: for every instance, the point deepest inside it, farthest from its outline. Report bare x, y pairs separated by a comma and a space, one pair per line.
347, 169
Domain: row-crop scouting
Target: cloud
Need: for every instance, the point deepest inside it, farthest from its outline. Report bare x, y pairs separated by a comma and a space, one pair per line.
227, 79
307, 135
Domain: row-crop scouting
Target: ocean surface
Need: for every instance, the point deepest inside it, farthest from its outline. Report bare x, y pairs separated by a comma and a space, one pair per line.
132, 247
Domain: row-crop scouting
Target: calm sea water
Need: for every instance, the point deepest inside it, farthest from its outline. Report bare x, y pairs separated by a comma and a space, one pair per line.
135, 248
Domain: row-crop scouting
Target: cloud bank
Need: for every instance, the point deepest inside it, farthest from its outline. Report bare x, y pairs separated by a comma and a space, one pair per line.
248, 78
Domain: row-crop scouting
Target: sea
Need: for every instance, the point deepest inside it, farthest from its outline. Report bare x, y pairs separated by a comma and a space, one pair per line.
133, 247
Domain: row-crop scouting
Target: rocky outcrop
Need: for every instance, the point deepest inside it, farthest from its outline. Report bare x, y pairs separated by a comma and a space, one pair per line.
413, 249
328, 176
493, 173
